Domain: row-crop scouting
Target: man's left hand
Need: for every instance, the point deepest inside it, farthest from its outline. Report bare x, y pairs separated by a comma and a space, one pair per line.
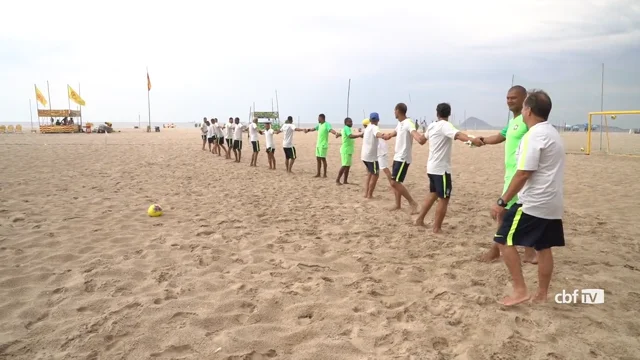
497, 212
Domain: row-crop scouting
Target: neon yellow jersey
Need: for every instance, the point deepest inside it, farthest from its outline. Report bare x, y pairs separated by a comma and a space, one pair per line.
323, 134
347, 142
513, 133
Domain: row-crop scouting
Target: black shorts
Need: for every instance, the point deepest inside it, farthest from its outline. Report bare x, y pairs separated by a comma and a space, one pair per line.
522, 229
399, 171
256, 146
271, 150
440, 184
204, 137
290, 153
372, 167
221, 141
210, 140
237, 144
229, 142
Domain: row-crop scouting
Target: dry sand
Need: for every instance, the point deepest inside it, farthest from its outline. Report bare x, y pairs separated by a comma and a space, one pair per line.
248, 263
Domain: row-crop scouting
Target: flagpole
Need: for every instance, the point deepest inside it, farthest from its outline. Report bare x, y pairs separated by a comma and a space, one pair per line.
31, 114
148, 100
37, 107
277, 107
49, 96
80, 106
69, 100
348, 94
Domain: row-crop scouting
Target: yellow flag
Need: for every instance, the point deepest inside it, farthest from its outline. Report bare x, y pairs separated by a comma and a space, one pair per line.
74, 96
40, 97
148, 82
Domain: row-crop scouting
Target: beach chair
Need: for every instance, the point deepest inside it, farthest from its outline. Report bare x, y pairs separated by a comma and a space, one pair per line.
10, 129
2, 129
19, 129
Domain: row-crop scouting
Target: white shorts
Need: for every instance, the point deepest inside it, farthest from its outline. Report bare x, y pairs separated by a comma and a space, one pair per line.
382, 162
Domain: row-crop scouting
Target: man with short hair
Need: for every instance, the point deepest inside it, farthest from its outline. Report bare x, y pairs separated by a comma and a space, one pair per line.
322, 145
229, 128
204, 131
211, 134
255, 142
220, 134
237, 139
271, 147
535, 220
287, 142
346, 150
511, 135
440, 135
369, 153
406, 133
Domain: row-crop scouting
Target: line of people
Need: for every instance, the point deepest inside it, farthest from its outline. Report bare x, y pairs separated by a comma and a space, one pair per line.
528, 212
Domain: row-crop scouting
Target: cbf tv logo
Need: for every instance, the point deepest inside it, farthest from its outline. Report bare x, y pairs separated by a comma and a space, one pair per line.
584, 296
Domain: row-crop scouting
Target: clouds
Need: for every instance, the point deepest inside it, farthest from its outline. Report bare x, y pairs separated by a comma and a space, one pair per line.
217, 58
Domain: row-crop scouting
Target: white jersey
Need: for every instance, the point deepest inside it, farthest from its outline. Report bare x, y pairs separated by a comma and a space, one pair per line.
404, 141
237, 131
268, 134
253, 132
229, 127
287, 130
541, 150
219, 132
210, 131
369, 151
382, 148
441, 135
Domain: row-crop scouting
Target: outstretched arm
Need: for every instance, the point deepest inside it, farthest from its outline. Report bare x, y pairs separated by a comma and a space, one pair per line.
420, 138
495, 139
390, 135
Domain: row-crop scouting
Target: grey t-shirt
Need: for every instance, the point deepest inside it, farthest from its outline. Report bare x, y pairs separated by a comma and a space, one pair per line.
542, 151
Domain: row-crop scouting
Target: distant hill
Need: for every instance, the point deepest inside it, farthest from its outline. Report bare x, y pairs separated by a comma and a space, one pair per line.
473, 123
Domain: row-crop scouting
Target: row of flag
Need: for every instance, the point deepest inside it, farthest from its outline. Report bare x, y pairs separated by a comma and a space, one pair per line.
74, 96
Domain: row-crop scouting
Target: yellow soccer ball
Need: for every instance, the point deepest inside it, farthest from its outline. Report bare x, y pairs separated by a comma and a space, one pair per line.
154, 210
582, 149
613, 117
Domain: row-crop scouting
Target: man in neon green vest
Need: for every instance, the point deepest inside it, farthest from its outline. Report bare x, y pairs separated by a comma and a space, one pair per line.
511, 136
322, 145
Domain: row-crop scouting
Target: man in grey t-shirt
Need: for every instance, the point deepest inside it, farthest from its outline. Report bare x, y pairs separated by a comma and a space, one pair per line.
536, 219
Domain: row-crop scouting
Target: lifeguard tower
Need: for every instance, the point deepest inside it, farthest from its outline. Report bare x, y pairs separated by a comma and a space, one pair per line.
47, 121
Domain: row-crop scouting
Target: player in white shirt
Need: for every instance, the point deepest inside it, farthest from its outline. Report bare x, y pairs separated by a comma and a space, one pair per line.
228, 128
204, 131
271, 147
369, 153
440, 135
535, 220
219, 143
382, 156
237, 139
211, 135
255, 141
287, 142
405, 132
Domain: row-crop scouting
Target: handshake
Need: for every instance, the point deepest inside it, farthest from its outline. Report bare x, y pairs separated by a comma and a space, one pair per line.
475, 141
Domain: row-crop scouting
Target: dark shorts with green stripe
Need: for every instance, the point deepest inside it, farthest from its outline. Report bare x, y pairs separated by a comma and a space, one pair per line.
399, 171
256, 146
521, 229
441, 185
372, 167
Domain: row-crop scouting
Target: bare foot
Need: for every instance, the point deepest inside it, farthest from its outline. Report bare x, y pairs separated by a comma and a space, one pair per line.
490, 256
347, 183
437, 231
394, 208
338, 183
514, 299
317, 176
539, 298
414, 209
324, 176
420, 223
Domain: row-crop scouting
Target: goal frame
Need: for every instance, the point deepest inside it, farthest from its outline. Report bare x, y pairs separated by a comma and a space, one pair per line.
605, 113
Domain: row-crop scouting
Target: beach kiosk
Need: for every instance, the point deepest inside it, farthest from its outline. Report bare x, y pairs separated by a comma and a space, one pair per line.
59, 121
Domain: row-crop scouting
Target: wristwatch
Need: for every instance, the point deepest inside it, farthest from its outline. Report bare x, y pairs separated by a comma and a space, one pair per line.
501, 203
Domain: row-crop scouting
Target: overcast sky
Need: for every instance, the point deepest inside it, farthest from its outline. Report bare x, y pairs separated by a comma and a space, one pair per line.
215, 58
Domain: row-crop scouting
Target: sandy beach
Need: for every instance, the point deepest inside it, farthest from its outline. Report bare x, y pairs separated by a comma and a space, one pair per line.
248, 263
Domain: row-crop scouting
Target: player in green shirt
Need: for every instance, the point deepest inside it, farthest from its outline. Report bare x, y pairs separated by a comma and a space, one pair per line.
511, 136
346, 150
322, 145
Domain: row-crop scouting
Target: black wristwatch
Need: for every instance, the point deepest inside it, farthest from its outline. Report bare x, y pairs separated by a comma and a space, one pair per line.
501, 203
